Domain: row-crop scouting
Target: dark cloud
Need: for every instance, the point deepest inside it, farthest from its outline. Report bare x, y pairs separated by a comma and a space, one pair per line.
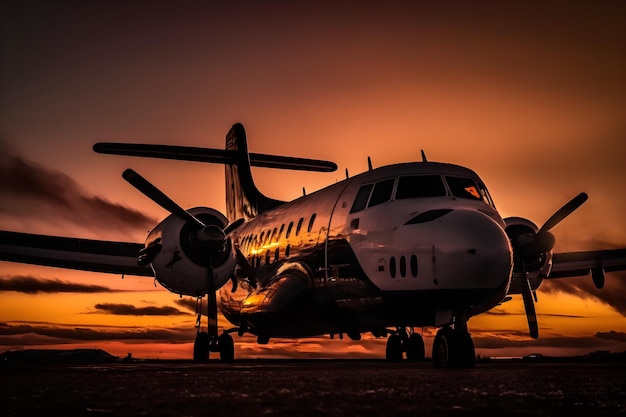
9, 332
612, 335
613, 293
502, 342
506, 313
131, 310
189, 303
33, 285
28, 189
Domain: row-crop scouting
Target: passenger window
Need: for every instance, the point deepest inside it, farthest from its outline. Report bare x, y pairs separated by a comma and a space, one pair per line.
420, 186
361, 198
392, 267
311, 223
402, 266
414, 265
289, 230
382, 192
299, 226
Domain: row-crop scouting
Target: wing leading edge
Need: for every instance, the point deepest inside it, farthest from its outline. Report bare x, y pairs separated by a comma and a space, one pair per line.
64, 252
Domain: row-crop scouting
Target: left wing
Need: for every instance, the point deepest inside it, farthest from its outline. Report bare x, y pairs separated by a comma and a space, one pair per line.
64, 252
594, 263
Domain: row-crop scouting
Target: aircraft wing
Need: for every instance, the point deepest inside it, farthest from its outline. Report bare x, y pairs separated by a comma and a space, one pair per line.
573, 264
72, 253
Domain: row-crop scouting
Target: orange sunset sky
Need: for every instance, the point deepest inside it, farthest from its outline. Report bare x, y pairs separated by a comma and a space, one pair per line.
531, 95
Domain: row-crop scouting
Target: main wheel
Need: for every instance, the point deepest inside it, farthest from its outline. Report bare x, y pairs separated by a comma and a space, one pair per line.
201, 347
415, 349
227, 347
394, 348
441, 348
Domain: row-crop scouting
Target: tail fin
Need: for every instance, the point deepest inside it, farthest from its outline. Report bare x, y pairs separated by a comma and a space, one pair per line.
243, 199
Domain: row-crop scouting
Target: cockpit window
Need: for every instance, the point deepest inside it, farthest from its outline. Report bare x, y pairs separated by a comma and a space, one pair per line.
469, 188
361, 198
420, 186
382, 192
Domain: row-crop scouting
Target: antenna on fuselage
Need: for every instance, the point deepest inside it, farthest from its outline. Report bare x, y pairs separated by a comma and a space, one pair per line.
423, 156
303, 191
347, 176
369, 163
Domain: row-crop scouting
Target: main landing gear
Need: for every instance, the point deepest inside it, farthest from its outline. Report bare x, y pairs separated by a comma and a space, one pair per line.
405, 340
453, 347
207, 342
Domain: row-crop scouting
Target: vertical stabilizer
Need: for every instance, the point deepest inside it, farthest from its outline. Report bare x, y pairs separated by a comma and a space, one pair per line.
243, 199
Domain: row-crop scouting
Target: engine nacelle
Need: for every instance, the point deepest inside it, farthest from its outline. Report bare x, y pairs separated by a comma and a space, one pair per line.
537, 266
180, 263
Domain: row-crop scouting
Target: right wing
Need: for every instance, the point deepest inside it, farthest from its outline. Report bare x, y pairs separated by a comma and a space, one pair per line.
73, 253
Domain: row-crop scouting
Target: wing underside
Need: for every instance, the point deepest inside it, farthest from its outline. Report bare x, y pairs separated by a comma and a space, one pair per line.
573, 264
63, 252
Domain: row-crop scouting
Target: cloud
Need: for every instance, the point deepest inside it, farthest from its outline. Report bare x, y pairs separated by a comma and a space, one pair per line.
33, 285
131, 310
13, 334
613, 293
28, 189
612, 335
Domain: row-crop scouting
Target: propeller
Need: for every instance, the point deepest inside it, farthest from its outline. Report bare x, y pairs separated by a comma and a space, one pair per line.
209, 239
528, 248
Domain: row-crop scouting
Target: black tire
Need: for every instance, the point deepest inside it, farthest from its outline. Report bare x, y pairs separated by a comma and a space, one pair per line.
201, 347
227, 347
394, 348
441, 349
466, 353
415, 351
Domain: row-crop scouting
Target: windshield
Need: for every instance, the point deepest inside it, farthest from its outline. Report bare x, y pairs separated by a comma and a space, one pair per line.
420, 186
470, 189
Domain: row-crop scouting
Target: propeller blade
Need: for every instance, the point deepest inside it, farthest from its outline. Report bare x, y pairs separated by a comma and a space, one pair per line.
563, 212
529, 306
156, 195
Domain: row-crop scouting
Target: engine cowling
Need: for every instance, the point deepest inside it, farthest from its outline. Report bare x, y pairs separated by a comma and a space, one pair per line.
528, 256
181, 261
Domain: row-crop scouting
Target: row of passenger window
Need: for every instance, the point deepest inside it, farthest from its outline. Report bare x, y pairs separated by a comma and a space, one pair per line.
400, 266
417, 186
255, 241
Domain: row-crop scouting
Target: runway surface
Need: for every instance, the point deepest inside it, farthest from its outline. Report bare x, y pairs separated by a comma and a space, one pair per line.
314, 388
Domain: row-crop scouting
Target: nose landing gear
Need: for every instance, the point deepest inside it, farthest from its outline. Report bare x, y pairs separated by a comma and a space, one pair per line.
453, 347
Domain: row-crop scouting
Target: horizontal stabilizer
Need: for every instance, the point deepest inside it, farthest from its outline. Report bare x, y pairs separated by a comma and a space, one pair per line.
216, 156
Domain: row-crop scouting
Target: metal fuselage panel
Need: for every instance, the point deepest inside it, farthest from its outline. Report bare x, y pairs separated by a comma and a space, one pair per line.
368, 269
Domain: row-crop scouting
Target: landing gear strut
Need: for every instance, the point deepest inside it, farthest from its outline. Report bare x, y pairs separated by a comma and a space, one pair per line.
405, 340
453, 347
207, 342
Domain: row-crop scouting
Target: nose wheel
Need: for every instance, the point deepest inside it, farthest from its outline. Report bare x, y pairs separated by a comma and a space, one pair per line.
453, 348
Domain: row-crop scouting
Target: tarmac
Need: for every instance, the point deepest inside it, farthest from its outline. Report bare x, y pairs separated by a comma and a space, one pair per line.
313, 388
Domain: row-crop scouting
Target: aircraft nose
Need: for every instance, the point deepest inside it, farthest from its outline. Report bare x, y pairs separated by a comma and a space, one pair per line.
471, 251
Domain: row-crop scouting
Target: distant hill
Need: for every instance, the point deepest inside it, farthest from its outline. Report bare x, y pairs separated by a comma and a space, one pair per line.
57, 356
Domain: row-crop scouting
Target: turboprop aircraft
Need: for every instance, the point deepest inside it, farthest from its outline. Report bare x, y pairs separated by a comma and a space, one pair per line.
399, 247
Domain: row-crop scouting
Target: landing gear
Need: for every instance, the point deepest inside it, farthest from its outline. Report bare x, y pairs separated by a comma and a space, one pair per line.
404, 340
207, 342
453, 348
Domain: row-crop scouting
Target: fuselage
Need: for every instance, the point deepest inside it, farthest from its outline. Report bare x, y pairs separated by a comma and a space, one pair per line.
412, 244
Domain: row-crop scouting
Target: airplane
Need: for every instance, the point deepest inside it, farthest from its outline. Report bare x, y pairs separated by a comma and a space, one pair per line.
404, 246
